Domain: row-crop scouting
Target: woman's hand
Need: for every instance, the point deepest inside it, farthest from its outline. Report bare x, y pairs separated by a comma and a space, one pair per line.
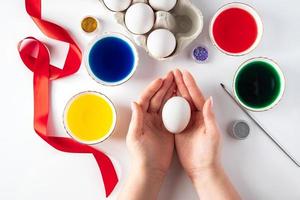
149, 143
198, 145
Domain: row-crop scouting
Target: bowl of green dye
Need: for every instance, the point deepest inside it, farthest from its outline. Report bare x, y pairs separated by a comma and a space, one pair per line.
259, 84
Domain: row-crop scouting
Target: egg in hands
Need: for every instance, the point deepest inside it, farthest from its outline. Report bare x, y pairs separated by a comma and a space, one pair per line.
176, 114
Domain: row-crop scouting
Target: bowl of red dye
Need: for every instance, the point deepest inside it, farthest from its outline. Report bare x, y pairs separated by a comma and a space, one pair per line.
236, 29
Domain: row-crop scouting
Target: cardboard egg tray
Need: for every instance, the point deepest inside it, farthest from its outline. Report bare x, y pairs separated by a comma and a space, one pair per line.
185, 21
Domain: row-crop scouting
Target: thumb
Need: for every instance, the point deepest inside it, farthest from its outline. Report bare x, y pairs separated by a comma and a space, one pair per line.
209, 116
136, 124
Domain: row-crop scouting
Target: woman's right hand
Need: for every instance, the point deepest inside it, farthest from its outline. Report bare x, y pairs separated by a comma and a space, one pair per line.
198, 145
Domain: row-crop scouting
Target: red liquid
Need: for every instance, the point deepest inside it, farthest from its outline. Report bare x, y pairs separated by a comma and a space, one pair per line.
235, 30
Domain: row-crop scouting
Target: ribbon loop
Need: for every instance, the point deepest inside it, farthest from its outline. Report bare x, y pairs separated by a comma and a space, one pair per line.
30, 46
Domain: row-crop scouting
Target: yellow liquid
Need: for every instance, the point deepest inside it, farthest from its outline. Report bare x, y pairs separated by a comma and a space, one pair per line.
89, 117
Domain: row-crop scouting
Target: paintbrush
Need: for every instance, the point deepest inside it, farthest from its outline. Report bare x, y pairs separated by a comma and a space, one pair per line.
260, 126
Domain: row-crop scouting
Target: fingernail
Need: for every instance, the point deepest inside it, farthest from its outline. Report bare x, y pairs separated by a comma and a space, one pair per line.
211, 101
168, 74
132, 105
160, 80
185, 71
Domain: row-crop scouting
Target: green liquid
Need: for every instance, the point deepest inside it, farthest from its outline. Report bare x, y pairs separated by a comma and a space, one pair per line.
258, 84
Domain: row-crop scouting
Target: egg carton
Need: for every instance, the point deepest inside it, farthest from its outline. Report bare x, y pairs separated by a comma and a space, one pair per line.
185, 21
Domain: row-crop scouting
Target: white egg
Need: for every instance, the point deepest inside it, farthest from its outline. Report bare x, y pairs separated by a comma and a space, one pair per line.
176, 114
139, 18
117, 5
161, 43
165, 5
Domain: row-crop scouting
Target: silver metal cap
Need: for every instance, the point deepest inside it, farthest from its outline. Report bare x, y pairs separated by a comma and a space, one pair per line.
240, 130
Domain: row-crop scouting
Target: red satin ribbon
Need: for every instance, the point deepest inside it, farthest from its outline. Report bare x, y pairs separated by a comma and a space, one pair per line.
43, 74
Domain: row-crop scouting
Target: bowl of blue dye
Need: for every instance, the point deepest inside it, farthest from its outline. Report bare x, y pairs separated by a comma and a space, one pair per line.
111, 59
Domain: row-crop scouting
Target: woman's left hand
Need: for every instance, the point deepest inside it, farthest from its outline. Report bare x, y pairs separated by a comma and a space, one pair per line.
149, 143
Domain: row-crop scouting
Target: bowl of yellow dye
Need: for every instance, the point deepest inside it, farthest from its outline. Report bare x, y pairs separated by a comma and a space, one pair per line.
89, 117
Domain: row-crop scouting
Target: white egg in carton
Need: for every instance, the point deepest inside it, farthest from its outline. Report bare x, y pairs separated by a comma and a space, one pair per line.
162, 27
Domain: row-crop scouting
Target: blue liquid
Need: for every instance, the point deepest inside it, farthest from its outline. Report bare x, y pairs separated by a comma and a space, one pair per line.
111, 59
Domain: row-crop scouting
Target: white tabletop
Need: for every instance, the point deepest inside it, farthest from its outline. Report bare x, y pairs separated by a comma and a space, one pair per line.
31, 169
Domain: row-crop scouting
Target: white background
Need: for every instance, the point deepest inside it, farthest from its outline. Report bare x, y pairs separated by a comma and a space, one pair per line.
31, 169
